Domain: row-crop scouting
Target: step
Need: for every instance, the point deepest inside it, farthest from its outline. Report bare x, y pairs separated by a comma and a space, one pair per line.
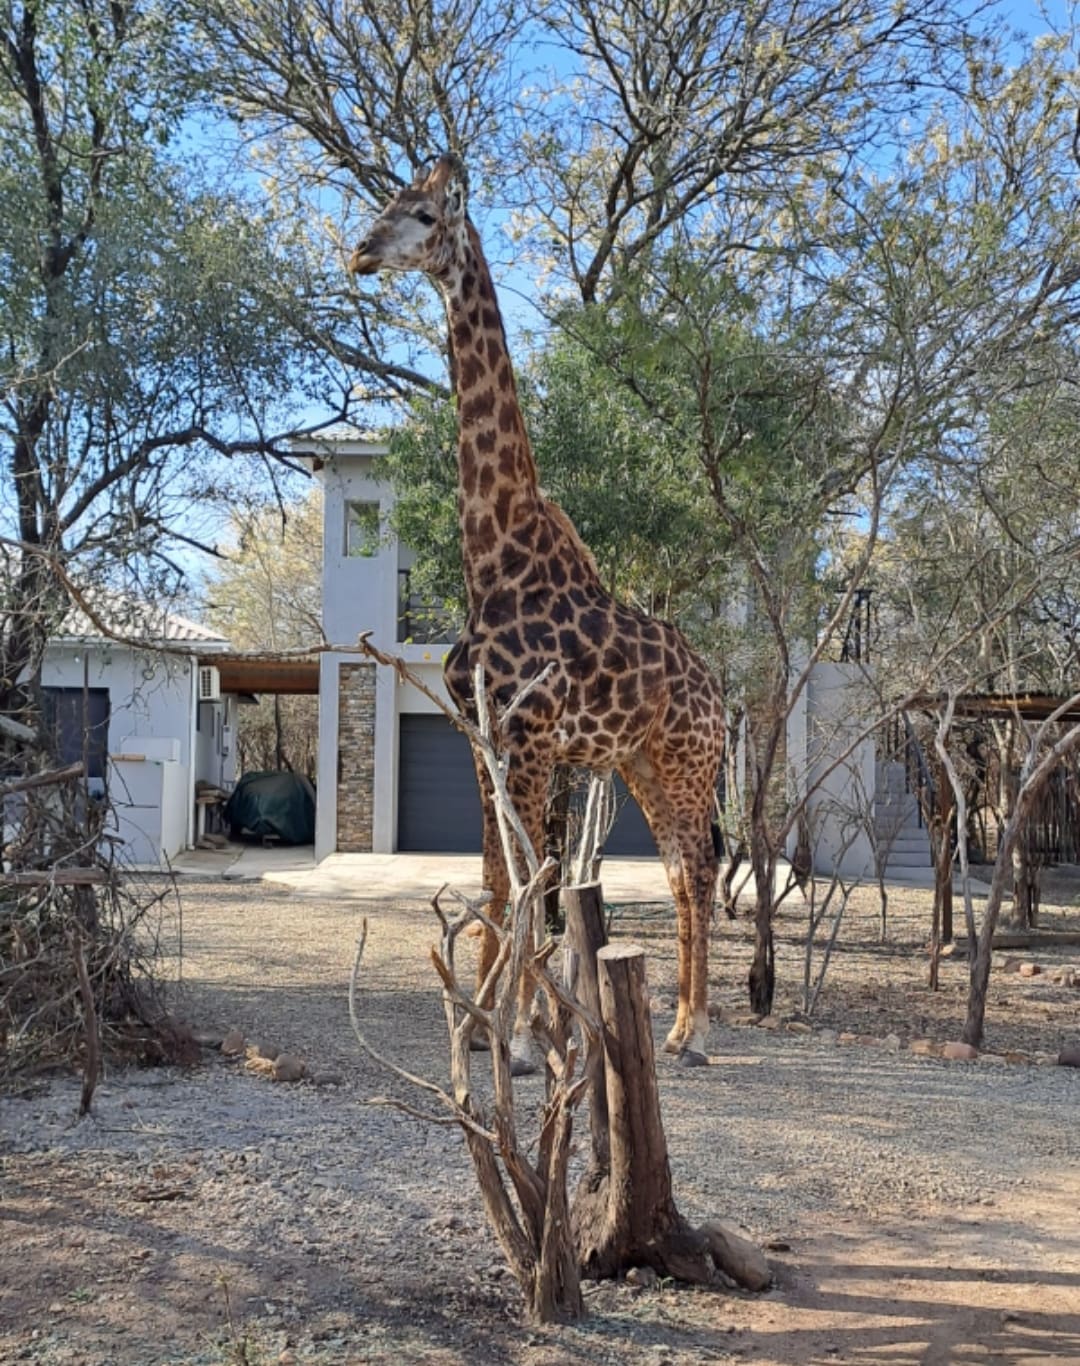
907, 860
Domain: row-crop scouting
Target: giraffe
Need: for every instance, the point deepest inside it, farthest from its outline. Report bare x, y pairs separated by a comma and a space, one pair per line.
627, 693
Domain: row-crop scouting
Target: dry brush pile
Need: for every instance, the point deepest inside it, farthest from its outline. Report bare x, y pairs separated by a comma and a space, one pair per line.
80, 945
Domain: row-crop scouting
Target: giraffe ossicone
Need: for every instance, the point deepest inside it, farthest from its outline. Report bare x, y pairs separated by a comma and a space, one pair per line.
628, 692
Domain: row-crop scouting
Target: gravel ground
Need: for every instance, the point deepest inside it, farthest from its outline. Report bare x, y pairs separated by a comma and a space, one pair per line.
213, 1216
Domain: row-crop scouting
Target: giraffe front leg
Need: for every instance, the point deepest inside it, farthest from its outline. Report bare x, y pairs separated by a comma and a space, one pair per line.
676, 1040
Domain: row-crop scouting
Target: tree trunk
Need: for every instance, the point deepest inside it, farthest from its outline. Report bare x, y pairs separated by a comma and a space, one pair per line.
586, 935
626, 1216
762, 979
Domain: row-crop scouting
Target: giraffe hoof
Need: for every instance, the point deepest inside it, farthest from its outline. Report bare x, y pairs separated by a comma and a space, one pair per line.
521, 1067
479, 1043
676, 1046
690, 1057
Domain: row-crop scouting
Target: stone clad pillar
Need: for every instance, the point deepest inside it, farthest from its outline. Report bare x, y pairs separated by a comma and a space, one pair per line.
356, 758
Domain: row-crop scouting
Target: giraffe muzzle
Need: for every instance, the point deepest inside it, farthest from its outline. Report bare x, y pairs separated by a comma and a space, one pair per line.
361, 262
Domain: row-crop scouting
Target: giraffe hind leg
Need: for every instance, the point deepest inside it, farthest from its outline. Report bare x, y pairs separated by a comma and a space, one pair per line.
687, 850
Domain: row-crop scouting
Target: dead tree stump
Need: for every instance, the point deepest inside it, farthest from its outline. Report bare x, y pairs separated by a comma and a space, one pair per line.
586, 935
625, 1214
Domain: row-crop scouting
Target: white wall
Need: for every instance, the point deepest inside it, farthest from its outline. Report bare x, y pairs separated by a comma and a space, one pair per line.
215, 743
838, 703
150, 713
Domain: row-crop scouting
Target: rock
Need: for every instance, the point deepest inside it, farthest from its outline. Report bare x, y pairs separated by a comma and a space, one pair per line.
1029, 970
827, 1036
798, 1027
260, 1067
1045, 1059
262, 1050
744, 1021
892, 1042
771, 1022
288, 1067
846, 1036
925, 1048
644, 1276
737, 1256
993, 1058
1012, 965
959, 1052
327, 1079
1069, 1055
659, 1005
778, 1245
867, 1040
208, 1038
1014, 1055
1064, 977
233, 1044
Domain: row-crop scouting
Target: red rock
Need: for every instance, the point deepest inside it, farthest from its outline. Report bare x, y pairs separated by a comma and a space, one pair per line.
959, 1052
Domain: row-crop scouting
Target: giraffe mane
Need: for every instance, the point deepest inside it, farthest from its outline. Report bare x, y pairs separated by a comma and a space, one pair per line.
570, 531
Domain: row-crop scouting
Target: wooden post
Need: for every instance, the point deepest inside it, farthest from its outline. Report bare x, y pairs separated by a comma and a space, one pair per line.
586, 935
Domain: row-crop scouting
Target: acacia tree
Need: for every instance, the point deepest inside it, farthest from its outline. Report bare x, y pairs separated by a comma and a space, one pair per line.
137, 322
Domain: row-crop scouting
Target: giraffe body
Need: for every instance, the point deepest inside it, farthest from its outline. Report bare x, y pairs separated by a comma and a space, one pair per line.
628, 693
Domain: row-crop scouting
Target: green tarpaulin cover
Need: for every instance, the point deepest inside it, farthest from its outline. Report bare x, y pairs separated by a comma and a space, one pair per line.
281, 804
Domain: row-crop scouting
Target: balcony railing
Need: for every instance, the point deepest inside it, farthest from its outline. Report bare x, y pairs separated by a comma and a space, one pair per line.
420, 621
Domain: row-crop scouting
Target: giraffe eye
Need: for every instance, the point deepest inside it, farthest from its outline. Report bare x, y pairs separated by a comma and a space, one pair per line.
427, 219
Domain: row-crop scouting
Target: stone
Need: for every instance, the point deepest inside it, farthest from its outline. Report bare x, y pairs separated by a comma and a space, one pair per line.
925, 1048
1045, 1059
892, 1042
1064, 977
867, 1040
288, 1067
257, 1049
233, 1044
959, 1052
643, 1276
1029, 970
737, 1256
1014, 1055
1069, 1055
993, 1058
744, 1021
771, 1022
327, 1079
209, 1038
1012, 965
827, 1036
798, 1027
260, 1067
846, 1036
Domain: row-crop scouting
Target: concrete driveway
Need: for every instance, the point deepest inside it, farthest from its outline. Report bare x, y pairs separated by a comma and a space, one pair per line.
389, 877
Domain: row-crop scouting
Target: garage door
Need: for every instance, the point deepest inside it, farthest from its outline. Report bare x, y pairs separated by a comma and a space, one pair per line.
438, 801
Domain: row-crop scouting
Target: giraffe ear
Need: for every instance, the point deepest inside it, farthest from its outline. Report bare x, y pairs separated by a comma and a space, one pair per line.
447, 177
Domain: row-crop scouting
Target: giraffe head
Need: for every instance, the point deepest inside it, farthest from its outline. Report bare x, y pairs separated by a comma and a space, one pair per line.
422, 228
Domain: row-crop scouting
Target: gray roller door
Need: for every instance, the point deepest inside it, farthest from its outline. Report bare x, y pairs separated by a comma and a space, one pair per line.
630, 835
438, 801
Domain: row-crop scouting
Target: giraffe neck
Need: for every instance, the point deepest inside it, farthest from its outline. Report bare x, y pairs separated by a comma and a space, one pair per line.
497, 483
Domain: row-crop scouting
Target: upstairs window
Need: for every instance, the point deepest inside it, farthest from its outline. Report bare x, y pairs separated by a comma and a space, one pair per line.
361, 529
